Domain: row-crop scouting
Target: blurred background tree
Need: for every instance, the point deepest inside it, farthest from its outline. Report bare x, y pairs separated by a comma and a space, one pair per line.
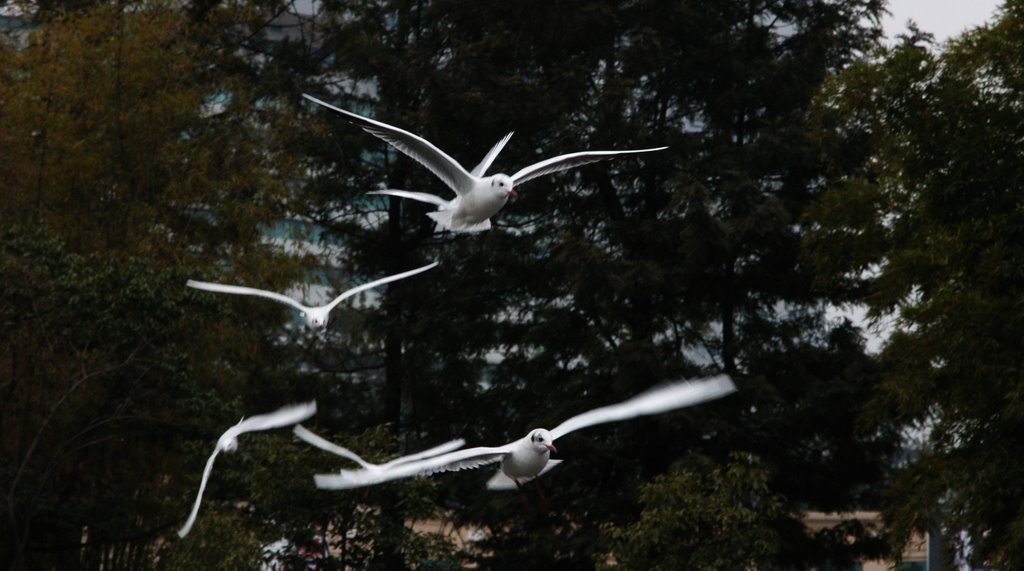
144, 158
133, 175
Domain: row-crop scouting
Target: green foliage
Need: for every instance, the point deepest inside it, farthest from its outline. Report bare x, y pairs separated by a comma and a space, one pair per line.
703, 517
126, 141
94, 359
218, 541
923, 224
127, 179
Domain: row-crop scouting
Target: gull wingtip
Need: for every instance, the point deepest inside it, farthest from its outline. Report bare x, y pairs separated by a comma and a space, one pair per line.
426, 267
343, 480
305, 408
322, 481
329, 481
723, 384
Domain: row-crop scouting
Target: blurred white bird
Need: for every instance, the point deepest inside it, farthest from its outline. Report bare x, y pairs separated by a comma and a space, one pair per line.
316, 317
228, 442
304, 433
478, 197
528, 457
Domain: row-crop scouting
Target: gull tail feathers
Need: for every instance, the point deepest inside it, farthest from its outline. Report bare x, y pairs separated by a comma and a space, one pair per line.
444, 220
500, 482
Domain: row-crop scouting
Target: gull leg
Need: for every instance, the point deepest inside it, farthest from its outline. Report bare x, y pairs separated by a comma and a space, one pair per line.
522, 496
542, 502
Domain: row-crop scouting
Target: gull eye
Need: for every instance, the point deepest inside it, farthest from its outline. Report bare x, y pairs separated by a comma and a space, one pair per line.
501, 184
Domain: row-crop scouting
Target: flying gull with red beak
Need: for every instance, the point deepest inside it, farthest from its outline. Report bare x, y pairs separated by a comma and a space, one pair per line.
530, 456
477, 197
316, 317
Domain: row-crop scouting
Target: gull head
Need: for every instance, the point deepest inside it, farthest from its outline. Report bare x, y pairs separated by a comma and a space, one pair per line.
502, 185
230, 445
316, 318
541, 442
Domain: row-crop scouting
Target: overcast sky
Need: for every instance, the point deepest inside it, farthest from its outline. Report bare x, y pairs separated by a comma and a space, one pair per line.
944, 18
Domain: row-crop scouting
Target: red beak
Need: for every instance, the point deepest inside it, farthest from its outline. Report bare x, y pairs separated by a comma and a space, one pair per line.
513, 193
552, 448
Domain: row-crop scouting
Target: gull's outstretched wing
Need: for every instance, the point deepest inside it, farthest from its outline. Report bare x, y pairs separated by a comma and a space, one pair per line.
323, 444
281, 417
242, 290
420, 149
428, 453
458, 460
572, 160
657, 400
284, 416
480, 169
376, 283
420, 196
199, 497
499, 481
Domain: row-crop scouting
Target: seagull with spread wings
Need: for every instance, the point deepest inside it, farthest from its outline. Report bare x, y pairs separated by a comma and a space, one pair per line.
316, 317
477, 197
228, 442
529, 457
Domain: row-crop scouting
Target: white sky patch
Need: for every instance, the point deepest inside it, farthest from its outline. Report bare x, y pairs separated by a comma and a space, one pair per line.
875, 333
944, 18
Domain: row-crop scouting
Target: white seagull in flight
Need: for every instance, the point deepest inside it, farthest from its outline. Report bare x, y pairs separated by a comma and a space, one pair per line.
316, 317
303, 433
529, 457
228, 442
478, 197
